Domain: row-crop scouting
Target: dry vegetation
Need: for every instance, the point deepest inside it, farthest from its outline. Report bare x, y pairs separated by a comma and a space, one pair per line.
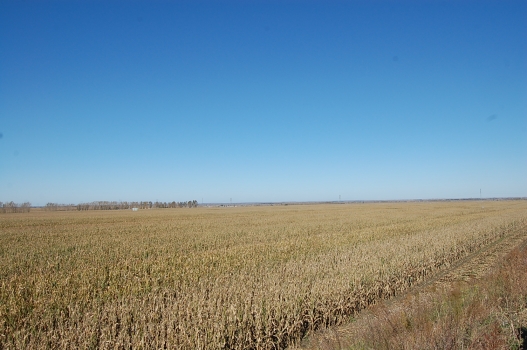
483, 313
236, 278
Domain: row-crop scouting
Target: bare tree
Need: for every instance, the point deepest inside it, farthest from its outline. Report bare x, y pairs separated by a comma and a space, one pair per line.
26, 207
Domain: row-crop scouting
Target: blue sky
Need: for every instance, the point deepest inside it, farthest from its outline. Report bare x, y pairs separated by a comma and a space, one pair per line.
262, 100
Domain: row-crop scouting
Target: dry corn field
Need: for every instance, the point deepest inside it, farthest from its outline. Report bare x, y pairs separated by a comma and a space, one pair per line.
224, 278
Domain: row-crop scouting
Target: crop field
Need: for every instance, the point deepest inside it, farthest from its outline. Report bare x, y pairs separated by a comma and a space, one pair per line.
257, 277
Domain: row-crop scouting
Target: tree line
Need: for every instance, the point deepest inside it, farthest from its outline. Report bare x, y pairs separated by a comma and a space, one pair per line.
12, 207
114, 205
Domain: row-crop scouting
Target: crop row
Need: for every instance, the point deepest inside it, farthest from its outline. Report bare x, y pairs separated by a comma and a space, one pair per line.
223, 278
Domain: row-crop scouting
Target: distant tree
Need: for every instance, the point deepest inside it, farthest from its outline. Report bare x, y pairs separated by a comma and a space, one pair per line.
26, 207
111, 205
12, 207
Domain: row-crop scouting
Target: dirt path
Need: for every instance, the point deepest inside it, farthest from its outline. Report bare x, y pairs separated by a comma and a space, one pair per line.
473, 266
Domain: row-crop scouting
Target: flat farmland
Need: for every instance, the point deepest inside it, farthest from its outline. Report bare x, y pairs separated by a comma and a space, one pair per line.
258, 277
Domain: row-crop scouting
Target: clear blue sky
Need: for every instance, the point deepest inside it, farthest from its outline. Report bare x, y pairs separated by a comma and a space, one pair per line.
262, 100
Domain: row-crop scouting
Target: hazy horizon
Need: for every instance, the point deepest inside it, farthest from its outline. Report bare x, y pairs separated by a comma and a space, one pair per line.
337, 201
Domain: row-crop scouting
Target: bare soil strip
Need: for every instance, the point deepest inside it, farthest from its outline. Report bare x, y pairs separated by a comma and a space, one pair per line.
475, 265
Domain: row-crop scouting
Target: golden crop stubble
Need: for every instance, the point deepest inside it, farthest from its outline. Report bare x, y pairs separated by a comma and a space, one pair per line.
256, 277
